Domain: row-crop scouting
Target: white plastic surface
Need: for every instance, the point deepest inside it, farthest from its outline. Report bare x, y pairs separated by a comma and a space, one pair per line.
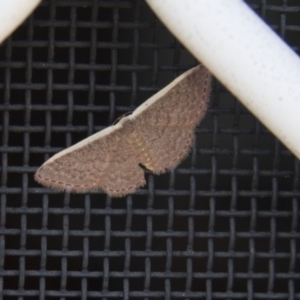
245, 55
13, 13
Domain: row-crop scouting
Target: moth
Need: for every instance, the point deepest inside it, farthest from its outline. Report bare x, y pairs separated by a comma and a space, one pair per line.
157, 135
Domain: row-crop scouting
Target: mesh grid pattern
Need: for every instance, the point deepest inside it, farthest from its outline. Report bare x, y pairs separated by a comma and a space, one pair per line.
224, 224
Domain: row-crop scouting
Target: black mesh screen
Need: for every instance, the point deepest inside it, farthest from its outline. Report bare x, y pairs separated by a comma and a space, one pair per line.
223, 224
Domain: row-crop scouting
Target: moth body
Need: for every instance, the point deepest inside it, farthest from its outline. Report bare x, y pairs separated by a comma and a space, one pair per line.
137, 142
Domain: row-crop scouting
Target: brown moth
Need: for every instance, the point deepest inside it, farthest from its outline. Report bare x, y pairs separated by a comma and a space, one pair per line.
157, 135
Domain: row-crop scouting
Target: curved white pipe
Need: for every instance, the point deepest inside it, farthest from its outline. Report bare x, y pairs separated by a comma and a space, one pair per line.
13, 13
245, 55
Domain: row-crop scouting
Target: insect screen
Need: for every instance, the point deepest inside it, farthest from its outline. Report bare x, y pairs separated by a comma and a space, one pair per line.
223, 224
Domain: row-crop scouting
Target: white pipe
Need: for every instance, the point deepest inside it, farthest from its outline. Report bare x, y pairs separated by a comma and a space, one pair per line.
13, 13
245, 55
